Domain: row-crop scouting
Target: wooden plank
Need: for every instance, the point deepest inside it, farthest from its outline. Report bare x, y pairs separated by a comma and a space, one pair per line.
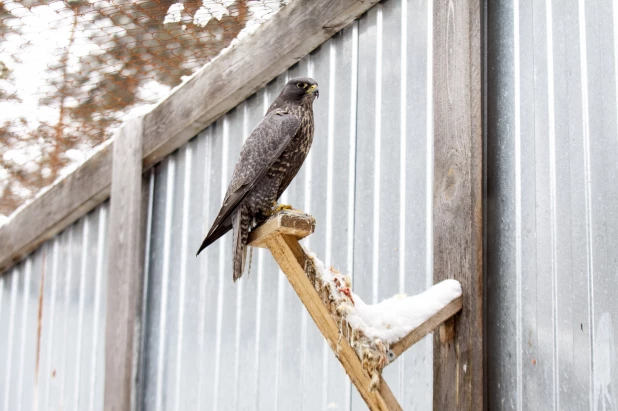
425, 328
292, 259
125, 276
290, 222
457, 213
48, 214
291, 34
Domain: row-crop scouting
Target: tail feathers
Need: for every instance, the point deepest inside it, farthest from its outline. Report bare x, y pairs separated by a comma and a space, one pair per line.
240, 224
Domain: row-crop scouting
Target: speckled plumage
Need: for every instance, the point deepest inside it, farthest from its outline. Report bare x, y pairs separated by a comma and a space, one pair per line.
269, 160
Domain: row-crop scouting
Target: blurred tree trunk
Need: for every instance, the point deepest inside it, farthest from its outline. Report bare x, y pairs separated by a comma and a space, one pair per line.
60, 144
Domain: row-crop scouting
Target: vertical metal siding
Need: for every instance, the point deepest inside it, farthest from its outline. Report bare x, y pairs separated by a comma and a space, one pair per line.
552, 233
52, 313
213, 344
391, 193
552, 206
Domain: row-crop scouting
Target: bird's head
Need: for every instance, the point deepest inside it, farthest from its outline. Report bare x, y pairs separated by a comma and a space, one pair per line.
300, 90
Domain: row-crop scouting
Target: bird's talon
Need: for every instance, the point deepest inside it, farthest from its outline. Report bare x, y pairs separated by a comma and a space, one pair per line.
281, 207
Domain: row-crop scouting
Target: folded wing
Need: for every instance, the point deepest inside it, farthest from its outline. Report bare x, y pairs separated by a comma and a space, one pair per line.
261, 149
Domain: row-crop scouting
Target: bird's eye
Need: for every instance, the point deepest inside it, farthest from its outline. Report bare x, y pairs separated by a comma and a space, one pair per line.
301, 85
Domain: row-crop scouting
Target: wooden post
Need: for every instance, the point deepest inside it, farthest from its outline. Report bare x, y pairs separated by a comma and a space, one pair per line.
125, 276
457, 211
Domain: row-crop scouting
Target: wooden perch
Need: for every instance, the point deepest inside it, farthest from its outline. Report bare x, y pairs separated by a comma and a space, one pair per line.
287, 222
362, 357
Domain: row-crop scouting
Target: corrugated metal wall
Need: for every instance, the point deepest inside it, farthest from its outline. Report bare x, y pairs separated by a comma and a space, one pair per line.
552, 237
52, 322
215, 345
551, 221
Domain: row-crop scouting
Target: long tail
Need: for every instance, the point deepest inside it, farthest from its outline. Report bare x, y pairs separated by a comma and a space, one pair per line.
240, 227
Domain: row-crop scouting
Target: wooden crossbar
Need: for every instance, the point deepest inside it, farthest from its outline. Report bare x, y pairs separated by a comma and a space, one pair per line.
425, 328
280, 235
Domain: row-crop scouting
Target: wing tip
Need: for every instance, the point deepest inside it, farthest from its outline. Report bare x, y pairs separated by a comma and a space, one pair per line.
205, 244
213, 235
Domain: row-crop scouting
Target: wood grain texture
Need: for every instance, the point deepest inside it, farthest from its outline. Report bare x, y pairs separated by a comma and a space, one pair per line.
75, 195
457, 226
125, 271
292, 259
290, 35
425, 328
292, 222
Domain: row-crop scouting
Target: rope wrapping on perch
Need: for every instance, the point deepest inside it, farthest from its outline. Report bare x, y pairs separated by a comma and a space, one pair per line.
334, 289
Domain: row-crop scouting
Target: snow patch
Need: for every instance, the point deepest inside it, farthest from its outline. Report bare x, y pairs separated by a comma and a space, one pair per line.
174, 13
211, 10
393, 318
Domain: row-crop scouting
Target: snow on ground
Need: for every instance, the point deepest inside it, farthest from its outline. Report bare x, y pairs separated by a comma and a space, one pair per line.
393, 318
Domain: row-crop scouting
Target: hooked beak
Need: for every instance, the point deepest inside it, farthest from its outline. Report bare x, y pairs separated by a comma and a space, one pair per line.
314, 89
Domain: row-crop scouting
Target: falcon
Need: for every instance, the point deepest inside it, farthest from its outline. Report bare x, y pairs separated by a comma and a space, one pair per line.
269, 160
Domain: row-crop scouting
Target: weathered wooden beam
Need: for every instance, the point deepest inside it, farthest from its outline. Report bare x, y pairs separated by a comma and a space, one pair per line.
125, 269
292, 259
295, 31
457, 196
425, 328
290, 35
48, 214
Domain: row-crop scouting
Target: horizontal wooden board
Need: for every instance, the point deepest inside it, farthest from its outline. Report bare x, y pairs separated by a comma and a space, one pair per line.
425, 328
65, 202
